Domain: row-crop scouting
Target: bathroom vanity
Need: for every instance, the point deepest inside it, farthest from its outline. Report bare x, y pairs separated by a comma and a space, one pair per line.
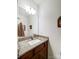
36, 51
30, 46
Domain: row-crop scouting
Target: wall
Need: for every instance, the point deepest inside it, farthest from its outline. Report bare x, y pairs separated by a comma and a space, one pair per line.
49, 11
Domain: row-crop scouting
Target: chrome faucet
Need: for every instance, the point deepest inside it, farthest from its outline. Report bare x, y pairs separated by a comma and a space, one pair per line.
31, 37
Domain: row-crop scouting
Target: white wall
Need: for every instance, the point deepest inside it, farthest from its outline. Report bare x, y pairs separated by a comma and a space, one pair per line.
49, 11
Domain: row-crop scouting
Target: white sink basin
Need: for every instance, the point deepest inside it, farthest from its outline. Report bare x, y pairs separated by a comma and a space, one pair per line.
32, 42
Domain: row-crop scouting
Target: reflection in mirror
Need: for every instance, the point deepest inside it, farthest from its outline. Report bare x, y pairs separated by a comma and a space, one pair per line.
20, 30
27, 13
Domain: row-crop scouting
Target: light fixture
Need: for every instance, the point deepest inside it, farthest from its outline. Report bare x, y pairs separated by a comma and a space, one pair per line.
33, 11
30, 10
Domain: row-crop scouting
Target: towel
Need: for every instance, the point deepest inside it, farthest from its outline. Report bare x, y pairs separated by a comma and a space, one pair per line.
20, 30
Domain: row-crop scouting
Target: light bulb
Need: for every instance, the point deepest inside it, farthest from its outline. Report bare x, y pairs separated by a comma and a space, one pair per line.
30, 10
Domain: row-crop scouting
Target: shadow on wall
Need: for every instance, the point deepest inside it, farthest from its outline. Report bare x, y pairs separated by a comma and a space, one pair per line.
50, 52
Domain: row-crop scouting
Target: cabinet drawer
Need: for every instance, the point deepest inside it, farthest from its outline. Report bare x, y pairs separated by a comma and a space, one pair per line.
40, 47
27, 55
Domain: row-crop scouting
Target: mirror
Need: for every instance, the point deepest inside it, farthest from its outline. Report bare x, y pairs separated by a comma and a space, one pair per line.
27, 16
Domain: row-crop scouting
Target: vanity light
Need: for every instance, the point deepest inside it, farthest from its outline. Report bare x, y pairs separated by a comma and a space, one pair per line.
30, 10
33, 11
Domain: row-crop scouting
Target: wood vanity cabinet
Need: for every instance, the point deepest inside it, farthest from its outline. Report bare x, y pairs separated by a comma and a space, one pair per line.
40, 52
27, 55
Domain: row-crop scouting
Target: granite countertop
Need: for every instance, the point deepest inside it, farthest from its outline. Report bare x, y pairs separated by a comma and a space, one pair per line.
25, 47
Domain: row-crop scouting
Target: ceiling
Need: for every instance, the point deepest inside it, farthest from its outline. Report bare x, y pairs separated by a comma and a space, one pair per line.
39, 2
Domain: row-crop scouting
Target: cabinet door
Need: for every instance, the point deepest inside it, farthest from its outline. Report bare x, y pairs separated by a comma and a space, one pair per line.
42, 54
36, 56
46, 48
27, 55
23, 57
